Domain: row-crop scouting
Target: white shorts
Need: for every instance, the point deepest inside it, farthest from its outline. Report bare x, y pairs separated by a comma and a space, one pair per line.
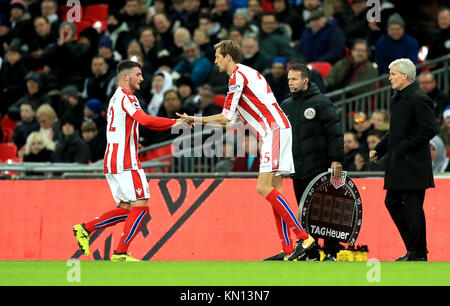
276, 152
128, 186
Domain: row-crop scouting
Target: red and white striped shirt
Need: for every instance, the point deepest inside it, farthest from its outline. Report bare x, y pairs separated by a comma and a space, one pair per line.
122, 132
250, 95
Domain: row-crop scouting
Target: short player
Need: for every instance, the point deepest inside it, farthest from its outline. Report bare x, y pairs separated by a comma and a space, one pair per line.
122, 168
250, 95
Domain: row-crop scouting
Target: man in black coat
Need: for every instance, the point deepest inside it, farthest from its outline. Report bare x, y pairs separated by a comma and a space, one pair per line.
408, 168
317, 137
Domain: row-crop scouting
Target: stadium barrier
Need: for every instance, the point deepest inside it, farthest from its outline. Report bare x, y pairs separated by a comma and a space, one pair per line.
190, 219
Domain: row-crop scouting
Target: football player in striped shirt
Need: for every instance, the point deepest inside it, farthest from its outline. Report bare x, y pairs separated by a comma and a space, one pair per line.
250, 96
122, 168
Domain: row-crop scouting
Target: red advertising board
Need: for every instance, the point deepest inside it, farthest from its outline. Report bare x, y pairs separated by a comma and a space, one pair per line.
190, 219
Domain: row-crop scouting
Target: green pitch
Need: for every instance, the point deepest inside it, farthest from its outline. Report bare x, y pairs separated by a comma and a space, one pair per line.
223, 273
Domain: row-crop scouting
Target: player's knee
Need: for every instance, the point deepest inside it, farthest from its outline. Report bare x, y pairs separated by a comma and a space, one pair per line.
263, 190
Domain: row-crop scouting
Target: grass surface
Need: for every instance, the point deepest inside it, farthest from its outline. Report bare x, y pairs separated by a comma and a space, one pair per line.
223, 273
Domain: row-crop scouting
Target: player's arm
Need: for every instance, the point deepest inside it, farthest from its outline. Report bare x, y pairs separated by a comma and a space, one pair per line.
153, 122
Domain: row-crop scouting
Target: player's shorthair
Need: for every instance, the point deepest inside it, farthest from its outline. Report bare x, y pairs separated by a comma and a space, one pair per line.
229, 47
126, 65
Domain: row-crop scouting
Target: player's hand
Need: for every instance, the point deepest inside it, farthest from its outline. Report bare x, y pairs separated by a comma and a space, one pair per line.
182, 122
337, 169
373, 155
186, 118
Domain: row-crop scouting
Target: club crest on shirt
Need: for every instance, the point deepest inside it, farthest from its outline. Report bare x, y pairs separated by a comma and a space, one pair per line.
136, 105
310, 113
234, 87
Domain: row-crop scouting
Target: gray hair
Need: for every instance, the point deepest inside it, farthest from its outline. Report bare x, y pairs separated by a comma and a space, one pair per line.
405, 65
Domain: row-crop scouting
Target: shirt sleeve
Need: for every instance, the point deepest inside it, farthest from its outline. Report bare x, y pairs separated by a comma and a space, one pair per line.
130, 104
153, 122
235, 87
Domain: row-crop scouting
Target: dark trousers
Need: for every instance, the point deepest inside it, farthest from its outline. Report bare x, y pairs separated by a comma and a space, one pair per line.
406, 210
331, 246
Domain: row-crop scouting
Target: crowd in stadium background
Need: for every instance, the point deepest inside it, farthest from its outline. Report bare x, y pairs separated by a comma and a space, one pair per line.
57, 73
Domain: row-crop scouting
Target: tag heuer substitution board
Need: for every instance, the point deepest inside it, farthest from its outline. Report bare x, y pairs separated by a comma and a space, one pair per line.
332, 208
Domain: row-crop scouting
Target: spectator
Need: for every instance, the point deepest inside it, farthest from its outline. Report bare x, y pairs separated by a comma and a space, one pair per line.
133, 16
191, 19
151, 48
361, 126
440, 41
64, 72
253, 57
355, 25
187, 93
380, 120
203, 40
162, 82
351, 148
445, 128
439, 157
105, 50
212, 26
273, 39
21, 23
94, 110
351, 70
48, 122
305, 9
241, 20
427, 83
373, 137
44, 36
26, 125
89, 37
72, 148
236, 34
38, 148
95, 140
194, 64
12, 74
70, 102
395, 44
5, 33
288, 17
35, 92
96, 86
180, 37
255, 12
165, 27
277, 79
119, 33
49, 10
221, 12
322, 41
207, 107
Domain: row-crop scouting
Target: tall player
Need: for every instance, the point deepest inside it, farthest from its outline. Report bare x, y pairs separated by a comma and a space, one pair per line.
122, 168
251, 96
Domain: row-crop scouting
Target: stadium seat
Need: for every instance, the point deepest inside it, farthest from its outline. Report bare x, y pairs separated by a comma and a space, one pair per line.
323, 67
219, 100
157, 153
448, 153
7, 151
7, 126
96, 13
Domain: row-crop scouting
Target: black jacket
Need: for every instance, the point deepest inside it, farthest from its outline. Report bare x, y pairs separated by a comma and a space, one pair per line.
406, 144
317, 137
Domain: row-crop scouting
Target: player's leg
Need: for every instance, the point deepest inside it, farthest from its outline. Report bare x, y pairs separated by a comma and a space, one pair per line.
139, 210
